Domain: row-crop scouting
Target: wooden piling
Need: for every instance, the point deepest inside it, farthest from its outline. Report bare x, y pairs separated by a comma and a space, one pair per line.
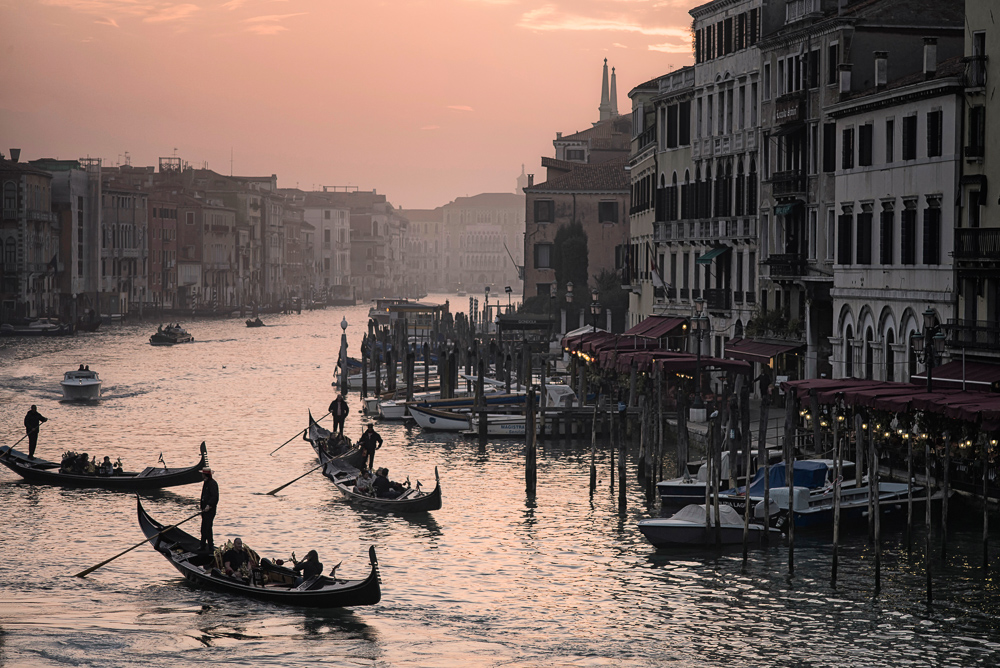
365, 354
427, 365
789, 447
622, 473
838, 464
378, 373
531, 461
986, 503
909, 490
481, 403
593, 451
944, 498
641, 463
710, 474
873, 483
410, 374
927, 515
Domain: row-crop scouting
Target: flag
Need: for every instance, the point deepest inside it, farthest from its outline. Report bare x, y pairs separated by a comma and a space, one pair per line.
654, 270
53, 264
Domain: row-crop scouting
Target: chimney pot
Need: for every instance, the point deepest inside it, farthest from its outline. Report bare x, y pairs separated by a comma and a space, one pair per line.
15, 154
531, 180
881, 68
930, 56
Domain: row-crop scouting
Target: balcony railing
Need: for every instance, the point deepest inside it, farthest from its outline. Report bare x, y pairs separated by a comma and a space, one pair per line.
718, 299
788, 183
786, 265
981, 334
647, 137
977, 243
975, 71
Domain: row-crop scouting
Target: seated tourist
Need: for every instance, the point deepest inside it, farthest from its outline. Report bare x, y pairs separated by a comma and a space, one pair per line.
385, 488
106, 467
236, 558
309, 567
363, 485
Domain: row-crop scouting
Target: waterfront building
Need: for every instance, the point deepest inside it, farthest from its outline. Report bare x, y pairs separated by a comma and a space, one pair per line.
486, 232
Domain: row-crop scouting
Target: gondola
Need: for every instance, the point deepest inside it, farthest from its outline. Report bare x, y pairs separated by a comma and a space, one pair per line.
255, 323
339, 452
342, 471
413, 500
41, 472
270, 582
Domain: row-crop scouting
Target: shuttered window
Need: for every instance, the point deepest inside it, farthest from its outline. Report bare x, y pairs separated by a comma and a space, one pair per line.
932, 235
864, 250
845, 239
908, 237
885, 237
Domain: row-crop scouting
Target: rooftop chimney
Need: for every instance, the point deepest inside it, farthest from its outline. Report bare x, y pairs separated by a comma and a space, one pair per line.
844, 70
930, 57
881, 68
531, 180
15, 154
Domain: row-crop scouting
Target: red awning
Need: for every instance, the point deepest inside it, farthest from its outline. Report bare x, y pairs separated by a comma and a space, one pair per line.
978, 376
688, 362
656, 326
752, 350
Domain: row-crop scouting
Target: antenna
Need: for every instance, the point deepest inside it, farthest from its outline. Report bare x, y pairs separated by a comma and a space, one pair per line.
230, 160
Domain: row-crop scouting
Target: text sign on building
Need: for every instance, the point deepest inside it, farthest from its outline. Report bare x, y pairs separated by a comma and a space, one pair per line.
787, 111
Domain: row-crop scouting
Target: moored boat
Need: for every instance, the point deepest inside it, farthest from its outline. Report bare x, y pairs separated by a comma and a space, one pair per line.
411, 500
42, 327
81, 385
269, 582
42, 472
439, 420
170, 335
688, 527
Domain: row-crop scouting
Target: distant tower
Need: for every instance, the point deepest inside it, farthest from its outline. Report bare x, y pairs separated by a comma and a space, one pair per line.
605, 108
522, 181
614, 94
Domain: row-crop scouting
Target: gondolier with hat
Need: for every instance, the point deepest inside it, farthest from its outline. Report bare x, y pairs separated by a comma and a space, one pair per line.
209, 503
32, 420
339, 411
370, 441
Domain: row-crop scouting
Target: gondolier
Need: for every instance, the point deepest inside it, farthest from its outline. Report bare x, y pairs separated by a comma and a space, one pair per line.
339, 410
32, 420
370, 441
209, 503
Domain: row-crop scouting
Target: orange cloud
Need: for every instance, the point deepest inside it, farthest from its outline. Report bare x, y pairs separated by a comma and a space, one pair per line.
460, 107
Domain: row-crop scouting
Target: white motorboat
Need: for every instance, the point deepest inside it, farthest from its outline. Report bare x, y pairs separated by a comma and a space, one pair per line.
81, 385
439, 420
688, 527
392, 410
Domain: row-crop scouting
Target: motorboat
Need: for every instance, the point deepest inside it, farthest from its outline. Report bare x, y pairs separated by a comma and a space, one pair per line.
434, 419
40, 327
170, 335
81, 385
813, 476
812, 509
690, 487
498, 425
688, 527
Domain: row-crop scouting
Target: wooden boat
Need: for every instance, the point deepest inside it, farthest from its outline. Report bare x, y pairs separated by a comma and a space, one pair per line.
255, 323
275, 584
41, 472
439, 420
170, 335
413, 500
338, 450
688, 527
88, 322
81, 385
37, 328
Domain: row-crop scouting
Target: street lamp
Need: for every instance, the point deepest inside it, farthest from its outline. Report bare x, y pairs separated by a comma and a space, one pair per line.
595, 306
508, 291
929, 344
699, 325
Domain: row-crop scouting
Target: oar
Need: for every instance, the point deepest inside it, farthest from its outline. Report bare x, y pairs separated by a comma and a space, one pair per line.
85, 573
297, 434
33, 431
278, 489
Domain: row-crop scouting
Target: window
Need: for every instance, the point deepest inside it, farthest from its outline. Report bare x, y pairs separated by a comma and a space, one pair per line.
813, 232
844, 238
864, 246
767, 81
910, 137
813, 148
684, 123
890, 140
575, 154
326, 214
781, 77
543, 256
847, 146
865, 139
813, 71
190, 218
829, 147
932, 233
977, 132
886, 224
832, 61
751, 271
934, 133
607, 212
544, 211
672, 118
543, 289
908, 234
831, 229
975, 208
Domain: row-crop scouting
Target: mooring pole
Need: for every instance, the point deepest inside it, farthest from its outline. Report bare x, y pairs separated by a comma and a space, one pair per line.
531, 463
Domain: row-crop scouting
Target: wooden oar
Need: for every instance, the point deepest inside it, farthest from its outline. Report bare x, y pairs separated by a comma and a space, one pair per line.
297, 434
85, 573
278, 489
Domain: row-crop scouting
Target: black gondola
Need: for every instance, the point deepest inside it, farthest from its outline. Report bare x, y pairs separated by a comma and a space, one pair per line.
272, 583
343, 474
42, 472
338, 451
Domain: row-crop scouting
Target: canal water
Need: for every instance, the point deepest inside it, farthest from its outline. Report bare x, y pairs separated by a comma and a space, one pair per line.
494, 578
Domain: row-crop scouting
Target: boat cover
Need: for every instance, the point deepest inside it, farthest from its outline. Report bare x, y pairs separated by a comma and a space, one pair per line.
695, 513
806, 474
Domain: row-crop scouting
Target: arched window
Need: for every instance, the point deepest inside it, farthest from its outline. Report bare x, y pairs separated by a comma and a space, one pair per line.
849, 353
752, 188
9, 196
10, 254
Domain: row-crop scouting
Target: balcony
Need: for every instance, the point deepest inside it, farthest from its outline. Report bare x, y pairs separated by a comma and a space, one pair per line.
662, 231
786, 265
977, 243
647, 137
718, 299
975, 71
979, 334
788, 183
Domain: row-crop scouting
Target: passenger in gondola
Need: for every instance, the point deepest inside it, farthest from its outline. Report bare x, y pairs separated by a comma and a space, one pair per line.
363, 484
385, 488
106, 467
236, 557
118, 469
309, 567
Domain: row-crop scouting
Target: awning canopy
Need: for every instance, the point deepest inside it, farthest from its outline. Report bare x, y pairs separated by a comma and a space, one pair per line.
978, 376
751, 350
656, 326
711, 255
787, 208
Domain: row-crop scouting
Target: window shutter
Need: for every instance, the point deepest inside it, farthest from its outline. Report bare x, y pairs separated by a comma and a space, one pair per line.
885, 256
932, 235
845, 242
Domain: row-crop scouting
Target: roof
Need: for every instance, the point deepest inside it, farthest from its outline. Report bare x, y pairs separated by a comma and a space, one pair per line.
610, 133
976, 375
423, 215
753, 350
489, 200
953, 67
655, 326
604, 176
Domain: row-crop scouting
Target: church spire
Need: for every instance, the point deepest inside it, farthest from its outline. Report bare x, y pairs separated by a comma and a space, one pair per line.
605, 108
614, 94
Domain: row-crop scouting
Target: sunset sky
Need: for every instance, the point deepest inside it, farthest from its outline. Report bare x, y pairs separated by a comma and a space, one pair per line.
424, 101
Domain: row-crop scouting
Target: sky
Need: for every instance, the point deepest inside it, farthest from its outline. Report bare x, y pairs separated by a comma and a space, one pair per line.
421, 100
